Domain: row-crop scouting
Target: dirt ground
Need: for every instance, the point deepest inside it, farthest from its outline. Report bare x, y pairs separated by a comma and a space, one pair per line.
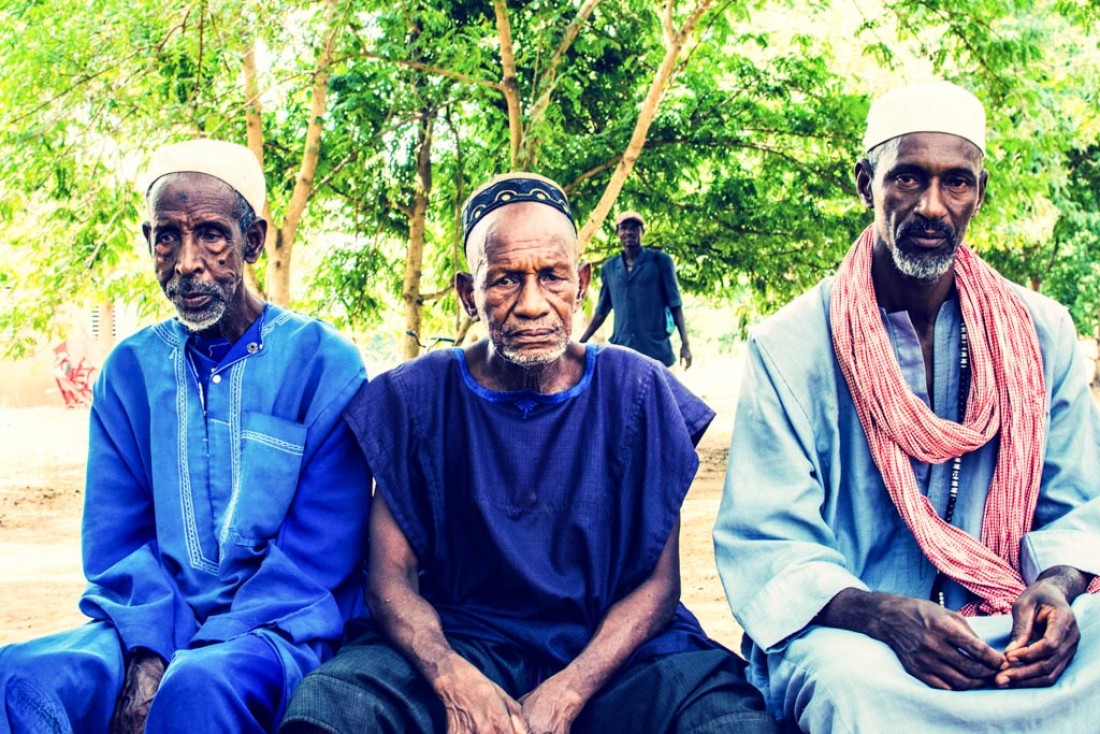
42, 454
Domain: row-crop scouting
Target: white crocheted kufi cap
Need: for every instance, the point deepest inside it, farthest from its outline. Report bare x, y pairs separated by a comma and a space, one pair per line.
933, 107
232, 163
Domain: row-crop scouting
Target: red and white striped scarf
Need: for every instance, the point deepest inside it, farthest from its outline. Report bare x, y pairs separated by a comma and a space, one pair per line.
1007, 394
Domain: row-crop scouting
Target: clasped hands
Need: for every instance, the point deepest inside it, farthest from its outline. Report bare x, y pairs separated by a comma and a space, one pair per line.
475, 704
938, 647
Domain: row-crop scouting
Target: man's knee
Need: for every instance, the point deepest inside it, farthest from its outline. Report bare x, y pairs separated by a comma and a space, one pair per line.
71, 676
237, 684
368, 687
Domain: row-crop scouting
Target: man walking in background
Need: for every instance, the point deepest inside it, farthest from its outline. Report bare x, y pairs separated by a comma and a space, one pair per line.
640, 285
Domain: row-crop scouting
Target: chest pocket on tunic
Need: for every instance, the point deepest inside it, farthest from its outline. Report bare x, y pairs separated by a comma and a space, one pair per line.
265, 477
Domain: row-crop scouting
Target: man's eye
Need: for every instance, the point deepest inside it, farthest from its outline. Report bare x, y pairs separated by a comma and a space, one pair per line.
906, 179
504, 280
958, 183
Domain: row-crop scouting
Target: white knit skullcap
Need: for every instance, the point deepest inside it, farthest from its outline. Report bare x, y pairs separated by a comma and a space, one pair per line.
933, 107
234, 164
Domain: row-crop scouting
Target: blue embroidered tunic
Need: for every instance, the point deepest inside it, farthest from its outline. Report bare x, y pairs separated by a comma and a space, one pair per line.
531, 514
229, 501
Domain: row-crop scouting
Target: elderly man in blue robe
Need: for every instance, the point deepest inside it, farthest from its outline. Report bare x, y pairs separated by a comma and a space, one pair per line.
911, 519
226, 501
524, 570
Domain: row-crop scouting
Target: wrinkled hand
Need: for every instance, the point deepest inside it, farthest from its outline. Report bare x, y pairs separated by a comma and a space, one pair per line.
552, 707
476, 705
685, 356
1044, 637
935, 645
143, 673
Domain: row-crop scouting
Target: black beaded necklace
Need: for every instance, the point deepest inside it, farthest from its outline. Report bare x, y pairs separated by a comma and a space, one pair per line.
956, 463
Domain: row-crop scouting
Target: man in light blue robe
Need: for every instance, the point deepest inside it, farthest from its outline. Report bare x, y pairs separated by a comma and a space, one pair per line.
226, 500
845, 631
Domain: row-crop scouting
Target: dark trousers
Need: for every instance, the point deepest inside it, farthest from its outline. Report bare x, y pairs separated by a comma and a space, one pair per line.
369, 686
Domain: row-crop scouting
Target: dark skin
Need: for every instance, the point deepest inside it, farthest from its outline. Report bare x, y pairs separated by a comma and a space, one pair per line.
193, 236
525, 287
937, 177
525, 284
630, 234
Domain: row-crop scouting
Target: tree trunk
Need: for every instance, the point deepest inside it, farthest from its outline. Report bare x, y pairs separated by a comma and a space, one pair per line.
674, 43
1096, 363
418, 214
510, 82
279, 254
253, 122
529, 144
457, 254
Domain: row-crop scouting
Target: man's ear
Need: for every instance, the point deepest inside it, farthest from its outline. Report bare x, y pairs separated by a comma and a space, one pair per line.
464, 286
254, 240
584, 279
983, 179
147, 231
865, 176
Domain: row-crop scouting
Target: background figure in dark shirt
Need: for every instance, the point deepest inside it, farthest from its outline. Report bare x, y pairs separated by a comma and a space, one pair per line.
641, 286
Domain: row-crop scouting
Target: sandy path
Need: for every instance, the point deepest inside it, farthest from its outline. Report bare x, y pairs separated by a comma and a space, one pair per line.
42, 453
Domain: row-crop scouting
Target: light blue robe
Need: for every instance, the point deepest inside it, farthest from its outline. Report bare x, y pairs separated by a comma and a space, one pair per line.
805, 514
223, 529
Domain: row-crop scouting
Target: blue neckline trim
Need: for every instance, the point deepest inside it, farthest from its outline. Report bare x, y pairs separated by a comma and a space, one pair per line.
526, 399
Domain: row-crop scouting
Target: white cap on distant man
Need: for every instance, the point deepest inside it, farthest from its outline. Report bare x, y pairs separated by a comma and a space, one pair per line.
932, 107
627, 216
234, 164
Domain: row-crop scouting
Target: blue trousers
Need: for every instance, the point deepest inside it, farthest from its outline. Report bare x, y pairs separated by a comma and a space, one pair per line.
370, 687
68, 683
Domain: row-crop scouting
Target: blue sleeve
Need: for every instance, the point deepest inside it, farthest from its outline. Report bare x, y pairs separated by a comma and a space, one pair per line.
127, 584
604, 305
308, 579
383, 418
1067, 522
669, 286
777, 557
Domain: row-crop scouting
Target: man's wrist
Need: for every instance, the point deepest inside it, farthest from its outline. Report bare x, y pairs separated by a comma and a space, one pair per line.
1072, 582
444, 673
571, 689
851, 609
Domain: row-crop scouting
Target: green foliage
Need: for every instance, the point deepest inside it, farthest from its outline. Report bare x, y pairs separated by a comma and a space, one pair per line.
746, 176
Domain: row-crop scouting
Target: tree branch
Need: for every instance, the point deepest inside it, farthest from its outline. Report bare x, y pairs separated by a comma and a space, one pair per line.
510, 85
92, 76
549, 77
463, 330
437, 70
645, 119
435, 295
592, 172
253, 123
311, 152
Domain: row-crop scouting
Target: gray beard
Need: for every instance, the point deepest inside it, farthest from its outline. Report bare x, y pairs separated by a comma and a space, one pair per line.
923, 266
202, 321
535, 360
209, 314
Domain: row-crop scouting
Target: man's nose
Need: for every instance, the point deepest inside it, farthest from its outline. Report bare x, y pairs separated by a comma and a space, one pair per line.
931, 204
531, 302
190, 256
